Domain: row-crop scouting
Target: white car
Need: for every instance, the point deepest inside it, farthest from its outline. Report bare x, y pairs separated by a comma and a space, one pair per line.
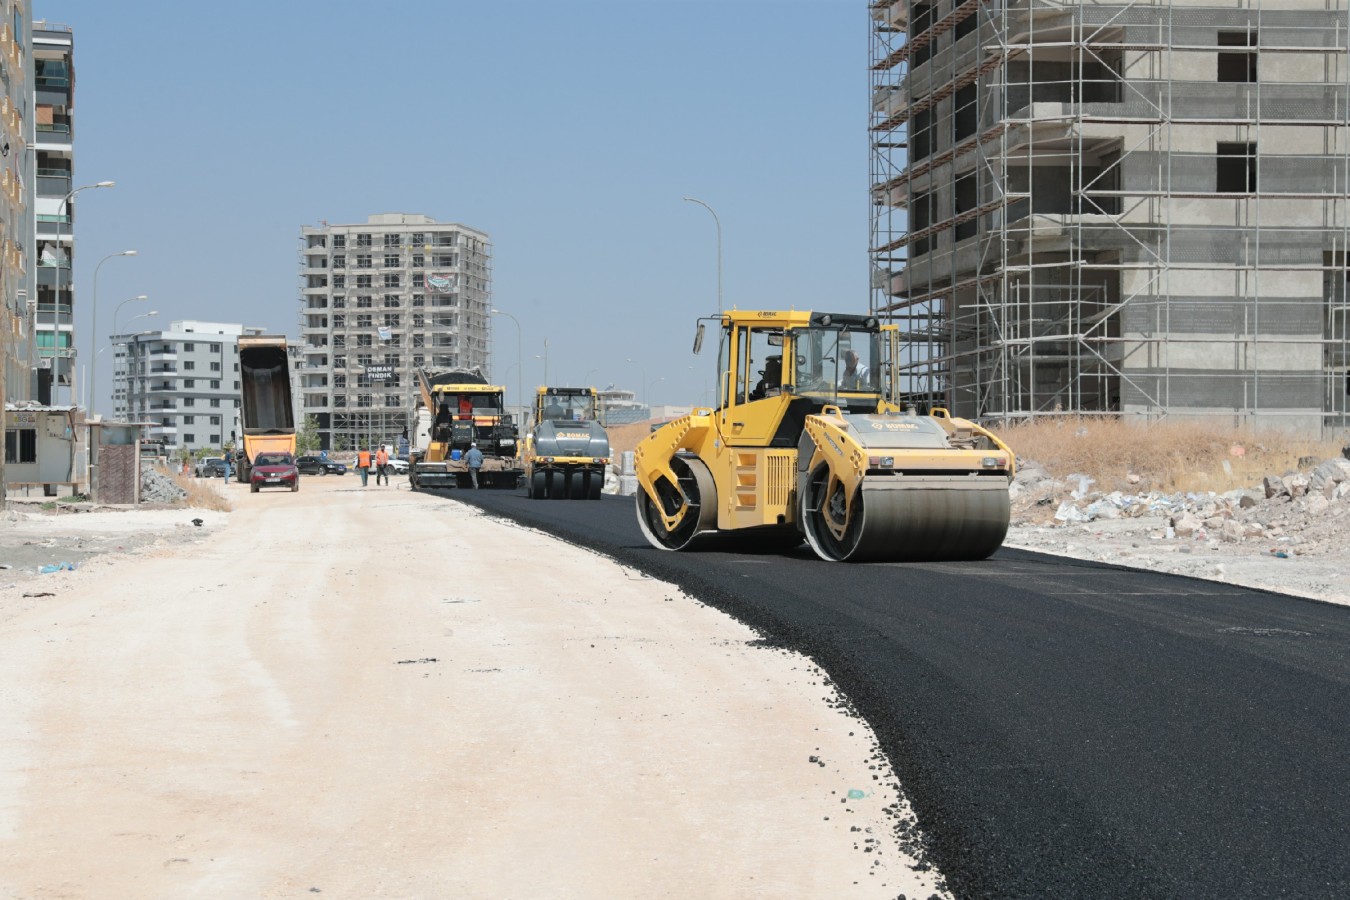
398, 466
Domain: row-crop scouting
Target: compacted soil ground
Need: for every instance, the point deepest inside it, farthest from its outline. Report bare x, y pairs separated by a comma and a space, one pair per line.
372, 692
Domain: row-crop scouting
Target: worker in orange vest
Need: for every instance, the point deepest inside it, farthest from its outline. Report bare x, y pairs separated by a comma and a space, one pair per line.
382, 466
363, 465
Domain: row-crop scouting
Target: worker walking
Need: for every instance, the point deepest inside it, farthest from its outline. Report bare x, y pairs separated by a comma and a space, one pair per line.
381, 466
225, 469
475, 460
363, 465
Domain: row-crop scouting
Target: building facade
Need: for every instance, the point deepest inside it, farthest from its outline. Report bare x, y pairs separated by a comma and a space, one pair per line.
379, 301
16, 199
183, 380
54, 117
1101, 207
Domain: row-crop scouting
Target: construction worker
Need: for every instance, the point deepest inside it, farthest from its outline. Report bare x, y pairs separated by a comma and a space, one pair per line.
363, 464
381, 466
475, 460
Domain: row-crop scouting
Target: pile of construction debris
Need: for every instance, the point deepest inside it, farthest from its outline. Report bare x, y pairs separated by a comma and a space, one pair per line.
1297, 512
159, 487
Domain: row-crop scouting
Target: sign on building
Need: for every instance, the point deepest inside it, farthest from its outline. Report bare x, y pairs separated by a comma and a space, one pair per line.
379, 373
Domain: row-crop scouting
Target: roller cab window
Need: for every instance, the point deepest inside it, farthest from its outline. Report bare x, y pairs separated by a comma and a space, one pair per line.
837, 360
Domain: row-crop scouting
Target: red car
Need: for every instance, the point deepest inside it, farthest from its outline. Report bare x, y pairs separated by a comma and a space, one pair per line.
275, 470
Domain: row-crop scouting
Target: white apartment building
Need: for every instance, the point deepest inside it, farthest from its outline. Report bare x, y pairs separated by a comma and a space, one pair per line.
183, 380
379, 301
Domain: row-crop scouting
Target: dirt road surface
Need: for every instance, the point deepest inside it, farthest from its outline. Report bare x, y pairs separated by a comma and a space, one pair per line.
376, 693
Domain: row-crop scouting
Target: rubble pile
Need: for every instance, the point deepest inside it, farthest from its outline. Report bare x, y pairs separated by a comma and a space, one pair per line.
158, 487
1302, 513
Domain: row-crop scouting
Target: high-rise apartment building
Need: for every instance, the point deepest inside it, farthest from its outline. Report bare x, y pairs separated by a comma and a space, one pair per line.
16, 211
53, 113
183, 380
379, 301
1089, 207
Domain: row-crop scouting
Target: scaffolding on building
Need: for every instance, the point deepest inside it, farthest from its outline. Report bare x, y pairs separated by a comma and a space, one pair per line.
1137, 207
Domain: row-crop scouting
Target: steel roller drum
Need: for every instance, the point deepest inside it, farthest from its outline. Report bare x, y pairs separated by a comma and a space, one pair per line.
911, 518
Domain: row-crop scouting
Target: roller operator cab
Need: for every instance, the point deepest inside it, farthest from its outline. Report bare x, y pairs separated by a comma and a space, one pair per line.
809, 442
567, 449
460, 409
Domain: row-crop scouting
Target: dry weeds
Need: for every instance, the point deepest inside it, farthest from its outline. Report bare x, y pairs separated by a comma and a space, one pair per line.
201, 492
1167, 456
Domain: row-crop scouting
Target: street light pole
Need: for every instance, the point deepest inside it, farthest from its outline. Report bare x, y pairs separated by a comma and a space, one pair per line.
61, 210
520, 394
126, 369
642, 369
718, 223
93, 327
118, 309
648, 396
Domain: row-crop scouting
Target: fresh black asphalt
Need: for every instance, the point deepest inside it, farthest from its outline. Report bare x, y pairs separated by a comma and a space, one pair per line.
1062, 728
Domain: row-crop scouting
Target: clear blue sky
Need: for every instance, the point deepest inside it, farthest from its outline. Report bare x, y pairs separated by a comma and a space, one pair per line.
569, 131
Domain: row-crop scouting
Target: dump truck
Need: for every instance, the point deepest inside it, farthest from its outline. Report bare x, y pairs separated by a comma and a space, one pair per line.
266, 416
567, 449
809, 441
460, 409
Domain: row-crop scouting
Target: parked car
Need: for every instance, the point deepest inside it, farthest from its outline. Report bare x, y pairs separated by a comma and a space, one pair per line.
209, 467
319, 465
398, 466
275, 470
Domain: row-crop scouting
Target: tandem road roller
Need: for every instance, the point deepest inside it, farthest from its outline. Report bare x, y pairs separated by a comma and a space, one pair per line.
809, 442
567, 451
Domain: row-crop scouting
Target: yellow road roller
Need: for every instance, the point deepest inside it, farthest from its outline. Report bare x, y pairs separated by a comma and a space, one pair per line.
809, 441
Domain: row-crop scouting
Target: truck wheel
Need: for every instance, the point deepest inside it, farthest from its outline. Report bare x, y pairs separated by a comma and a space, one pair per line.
595, 483
557, 485
539, 486
576, 485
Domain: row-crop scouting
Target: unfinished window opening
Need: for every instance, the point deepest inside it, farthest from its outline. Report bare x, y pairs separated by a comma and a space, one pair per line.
922, 17
1237, 65
1236, 169
921, 216
1101, 77
965, 117
967, 198
921, 135
966, 26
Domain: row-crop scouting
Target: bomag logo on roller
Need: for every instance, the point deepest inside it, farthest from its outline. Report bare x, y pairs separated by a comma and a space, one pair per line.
573, 435
884, 425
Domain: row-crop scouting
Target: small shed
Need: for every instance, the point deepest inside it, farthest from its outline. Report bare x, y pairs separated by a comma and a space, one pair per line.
115, 462
42, 449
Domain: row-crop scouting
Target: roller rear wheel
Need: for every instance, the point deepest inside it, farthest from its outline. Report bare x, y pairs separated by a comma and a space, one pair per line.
595, 484
538, 486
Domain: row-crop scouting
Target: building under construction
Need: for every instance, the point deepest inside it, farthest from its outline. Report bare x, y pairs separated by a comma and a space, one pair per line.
1134, 207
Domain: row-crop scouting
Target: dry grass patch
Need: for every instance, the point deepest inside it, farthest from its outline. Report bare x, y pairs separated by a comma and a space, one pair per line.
201, 492
1167, 456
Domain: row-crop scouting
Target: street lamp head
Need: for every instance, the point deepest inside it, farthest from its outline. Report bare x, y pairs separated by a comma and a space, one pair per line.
141, 297
106, 184
127, 253
153, 312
